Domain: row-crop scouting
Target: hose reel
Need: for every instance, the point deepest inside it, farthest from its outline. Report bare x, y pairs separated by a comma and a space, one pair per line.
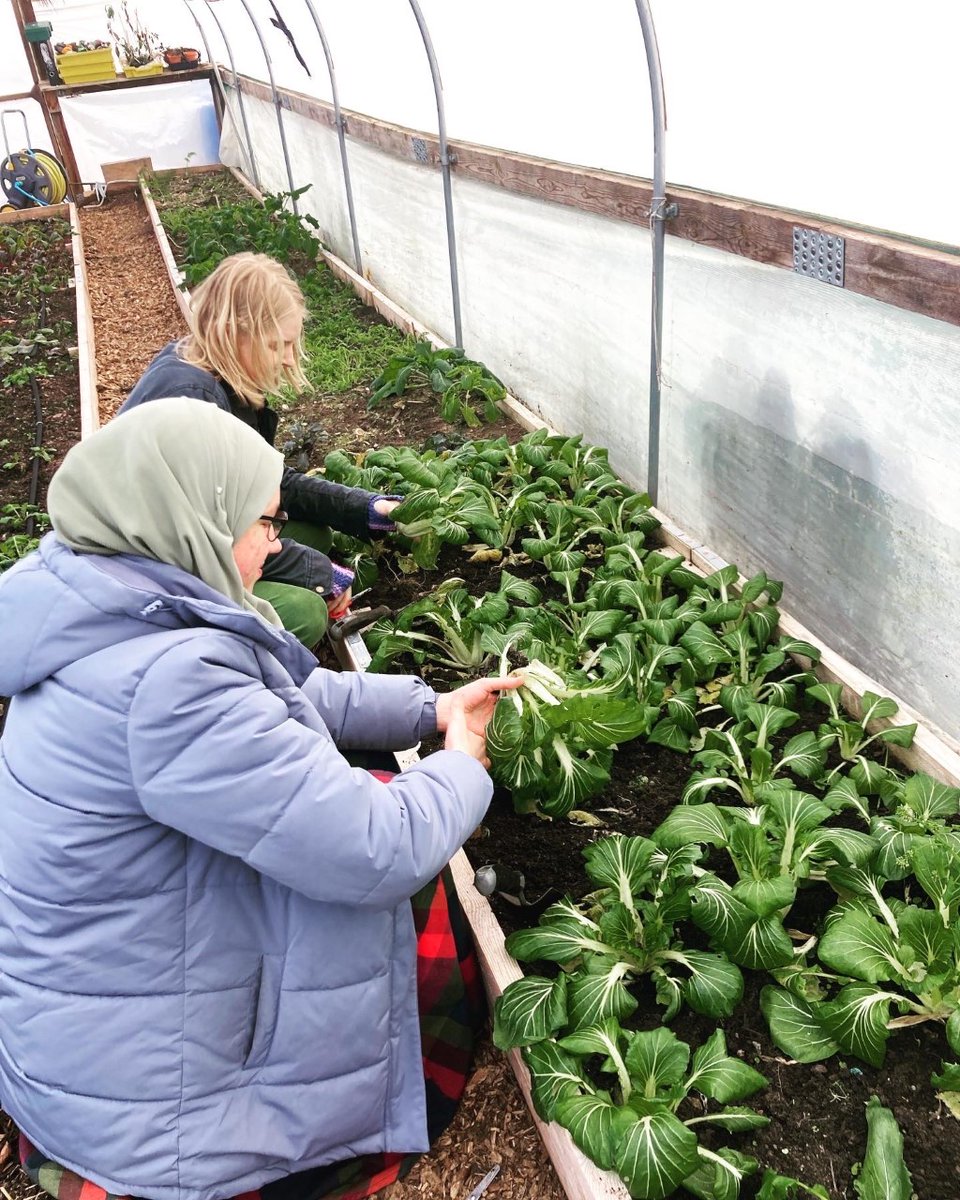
30, 178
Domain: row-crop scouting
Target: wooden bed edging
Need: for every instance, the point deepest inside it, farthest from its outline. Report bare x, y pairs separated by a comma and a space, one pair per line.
86, 347
174, 273
35, 214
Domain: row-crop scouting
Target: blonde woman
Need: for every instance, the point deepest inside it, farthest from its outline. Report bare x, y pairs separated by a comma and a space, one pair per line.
245, 341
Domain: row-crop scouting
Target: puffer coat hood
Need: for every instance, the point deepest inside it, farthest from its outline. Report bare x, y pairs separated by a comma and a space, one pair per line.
207, 955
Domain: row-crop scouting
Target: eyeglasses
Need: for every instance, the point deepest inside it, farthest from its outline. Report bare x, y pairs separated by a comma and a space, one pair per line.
276, 524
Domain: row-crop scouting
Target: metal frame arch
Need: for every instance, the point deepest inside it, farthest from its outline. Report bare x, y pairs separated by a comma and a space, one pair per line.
276, 101
659, 212
445, 161
341, 136
219, 78
255, 174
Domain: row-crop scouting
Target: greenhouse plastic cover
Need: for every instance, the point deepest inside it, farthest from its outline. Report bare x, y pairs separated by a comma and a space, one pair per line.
113, 126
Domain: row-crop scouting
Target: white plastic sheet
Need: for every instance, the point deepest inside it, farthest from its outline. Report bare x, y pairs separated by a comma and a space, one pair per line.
138, 122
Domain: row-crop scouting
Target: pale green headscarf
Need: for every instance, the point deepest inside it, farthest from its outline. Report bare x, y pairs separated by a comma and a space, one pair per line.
176, 480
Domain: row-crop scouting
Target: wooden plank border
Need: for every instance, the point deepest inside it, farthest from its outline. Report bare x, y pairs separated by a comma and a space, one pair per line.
87, 355
900, 272
40, 213
174, 274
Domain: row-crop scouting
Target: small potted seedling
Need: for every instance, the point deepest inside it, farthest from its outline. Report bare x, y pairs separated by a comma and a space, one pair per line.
181, 58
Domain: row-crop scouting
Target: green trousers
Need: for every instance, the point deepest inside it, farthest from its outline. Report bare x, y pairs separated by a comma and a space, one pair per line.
303, 613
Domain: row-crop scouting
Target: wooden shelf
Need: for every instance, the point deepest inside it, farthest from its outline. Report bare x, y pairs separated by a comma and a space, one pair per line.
121, 81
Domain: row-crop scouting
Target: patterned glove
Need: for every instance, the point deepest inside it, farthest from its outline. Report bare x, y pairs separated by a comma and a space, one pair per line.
377, 522
342, 579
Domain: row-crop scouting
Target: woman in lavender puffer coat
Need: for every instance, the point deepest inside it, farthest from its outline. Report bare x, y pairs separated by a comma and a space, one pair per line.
207, 953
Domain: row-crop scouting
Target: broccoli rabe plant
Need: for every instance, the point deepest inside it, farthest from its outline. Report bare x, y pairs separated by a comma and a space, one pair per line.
632, 1126
462, 383
888, 955
621, 932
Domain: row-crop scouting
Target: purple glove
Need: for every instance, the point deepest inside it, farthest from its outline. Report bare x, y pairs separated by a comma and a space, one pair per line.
342, 579
376, 522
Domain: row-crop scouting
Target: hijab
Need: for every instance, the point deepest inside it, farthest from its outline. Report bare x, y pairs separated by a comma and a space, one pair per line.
177, 480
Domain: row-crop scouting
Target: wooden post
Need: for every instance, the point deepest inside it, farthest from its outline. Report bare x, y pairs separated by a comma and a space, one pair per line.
47, 98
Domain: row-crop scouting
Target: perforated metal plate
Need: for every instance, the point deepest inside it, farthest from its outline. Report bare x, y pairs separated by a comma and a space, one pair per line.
419, 149
819, 255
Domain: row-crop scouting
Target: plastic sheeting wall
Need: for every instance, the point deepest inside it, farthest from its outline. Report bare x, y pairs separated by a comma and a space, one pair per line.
118, 125
806, 431
846, 110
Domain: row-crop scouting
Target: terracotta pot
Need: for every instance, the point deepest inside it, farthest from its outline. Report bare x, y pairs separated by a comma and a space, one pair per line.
172, 57
191, 56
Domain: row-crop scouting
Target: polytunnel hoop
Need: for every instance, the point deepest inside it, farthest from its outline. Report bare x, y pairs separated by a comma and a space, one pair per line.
341, 136
237, 88
276, 103
445, 161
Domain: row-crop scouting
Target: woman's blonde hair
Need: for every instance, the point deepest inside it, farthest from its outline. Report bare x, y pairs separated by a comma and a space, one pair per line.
246, 296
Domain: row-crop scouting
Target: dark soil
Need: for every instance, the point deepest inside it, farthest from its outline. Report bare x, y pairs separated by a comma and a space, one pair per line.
817, 1130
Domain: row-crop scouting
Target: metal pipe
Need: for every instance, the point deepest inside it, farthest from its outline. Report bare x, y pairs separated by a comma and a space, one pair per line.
341, 136
445, 161
236, 83
214, 66
276, 104
659, 212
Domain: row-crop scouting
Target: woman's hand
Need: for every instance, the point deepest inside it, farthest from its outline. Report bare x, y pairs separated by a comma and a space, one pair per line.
479, 698
385, 507
337, 606
464, 715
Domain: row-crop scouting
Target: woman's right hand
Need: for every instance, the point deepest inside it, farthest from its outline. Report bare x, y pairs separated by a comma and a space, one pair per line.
460, 736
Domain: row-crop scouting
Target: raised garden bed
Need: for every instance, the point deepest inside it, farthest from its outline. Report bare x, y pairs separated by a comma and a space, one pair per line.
44, 362
802, 1102
817, 1128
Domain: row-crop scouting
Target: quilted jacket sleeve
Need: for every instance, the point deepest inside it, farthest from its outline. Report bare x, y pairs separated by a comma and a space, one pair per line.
322, 502
217, 755
406, 709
